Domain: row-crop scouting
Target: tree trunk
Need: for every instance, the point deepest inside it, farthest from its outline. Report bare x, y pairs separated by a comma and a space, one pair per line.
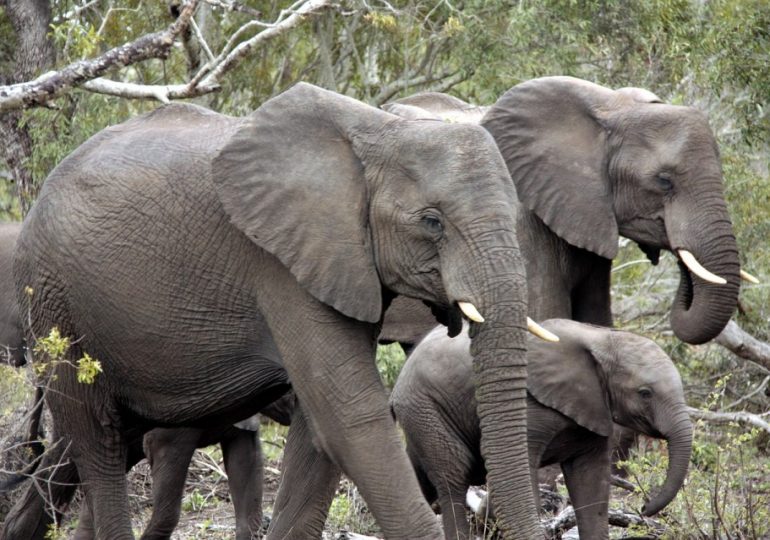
34, 53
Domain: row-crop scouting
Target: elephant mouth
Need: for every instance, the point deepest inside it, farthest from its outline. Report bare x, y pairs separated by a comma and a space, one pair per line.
652, 252
449, 316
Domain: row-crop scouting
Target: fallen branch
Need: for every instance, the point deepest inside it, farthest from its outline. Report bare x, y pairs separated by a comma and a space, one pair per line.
744, 345
727, 417
53, 84
566, 520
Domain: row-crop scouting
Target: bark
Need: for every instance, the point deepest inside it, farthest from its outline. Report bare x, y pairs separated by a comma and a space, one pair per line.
34, 52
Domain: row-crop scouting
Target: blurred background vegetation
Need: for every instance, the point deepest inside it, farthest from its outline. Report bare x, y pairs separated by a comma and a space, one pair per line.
712, 54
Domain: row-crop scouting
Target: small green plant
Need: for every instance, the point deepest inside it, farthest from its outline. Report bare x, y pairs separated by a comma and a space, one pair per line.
341, 511
390, 359
54, 347
194, 501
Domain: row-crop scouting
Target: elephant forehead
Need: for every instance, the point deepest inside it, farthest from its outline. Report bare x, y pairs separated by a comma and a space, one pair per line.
644, 358
450, 155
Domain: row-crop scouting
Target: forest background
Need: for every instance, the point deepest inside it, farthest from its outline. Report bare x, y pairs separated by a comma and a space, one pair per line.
232, 55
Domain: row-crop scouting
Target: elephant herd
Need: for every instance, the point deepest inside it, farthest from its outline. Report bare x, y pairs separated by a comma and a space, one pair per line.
220, 266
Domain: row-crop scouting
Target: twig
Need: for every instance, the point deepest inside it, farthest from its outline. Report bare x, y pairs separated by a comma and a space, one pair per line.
757, 390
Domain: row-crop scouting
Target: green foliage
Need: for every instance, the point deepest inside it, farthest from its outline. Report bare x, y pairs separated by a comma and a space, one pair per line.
390, 358
194, 501
52, 350
13, 389
727, 492
348, 512
88, 369
273, 437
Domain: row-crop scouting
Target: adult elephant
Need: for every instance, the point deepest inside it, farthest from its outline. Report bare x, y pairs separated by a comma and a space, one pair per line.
589, 164
576, 389
206, 260
169, 450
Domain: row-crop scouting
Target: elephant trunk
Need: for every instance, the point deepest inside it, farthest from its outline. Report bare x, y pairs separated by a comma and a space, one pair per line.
701, 309
679, 437
498, 348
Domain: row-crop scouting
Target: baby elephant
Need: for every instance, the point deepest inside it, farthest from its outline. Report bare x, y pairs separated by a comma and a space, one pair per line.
576, 389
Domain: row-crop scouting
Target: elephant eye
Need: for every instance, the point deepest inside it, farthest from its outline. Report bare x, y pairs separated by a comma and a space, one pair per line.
664, 181
433, 224
645, 393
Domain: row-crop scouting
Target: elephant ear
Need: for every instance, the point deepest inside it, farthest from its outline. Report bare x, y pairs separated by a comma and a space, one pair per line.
551, 136
565, 376
289, 179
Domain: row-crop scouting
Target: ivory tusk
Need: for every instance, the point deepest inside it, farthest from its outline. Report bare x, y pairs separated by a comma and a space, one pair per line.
541, 332
695, 267
470, 311
745, 276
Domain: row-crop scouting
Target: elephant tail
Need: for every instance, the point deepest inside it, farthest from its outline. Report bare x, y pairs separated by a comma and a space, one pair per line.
33, 443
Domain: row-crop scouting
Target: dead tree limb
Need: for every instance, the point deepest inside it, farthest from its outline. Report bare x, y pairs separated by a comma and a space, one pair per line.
87, 73
566, 520
727, 417
51, 85
742, 344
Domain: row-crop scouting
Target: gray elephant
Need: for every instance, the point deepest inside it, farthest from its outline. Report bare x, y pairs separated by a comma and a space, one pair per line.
589, 164
11, 333
169, 450
576, 389
207, 260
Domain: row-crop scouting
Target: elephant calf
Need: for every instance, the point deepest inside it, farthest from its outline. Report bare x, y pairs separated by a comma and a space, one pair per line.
576, 389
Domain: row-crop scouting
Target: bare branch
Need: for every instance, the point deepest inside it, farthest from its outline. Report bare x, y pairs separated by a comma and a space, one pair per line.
742, 344
232, 59
53, 84
389, 90
759, 389
565, 520
727, 417
163, 93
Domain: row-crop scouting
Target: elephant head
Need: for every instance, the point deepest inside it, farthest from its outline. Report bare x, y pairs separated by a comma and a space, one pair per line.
360, 204
594, 163
620, 377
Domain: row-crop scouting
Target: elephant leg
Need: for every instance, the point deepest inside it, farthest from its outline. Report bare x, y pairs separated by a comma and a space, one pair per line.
451, 498
587, 477
46, 498
169, 452
85, 529
330, 361
243, 462
308, 482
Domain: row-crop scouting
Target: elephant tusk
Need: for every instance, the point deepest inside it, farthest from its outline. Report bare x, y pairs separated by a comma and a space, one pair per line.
695, 267
541, 332
470, 311
745, 276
